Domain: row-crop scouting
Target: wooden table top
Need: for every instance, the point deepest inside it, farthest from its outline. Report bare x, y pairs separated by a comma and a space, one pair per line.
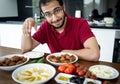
5, 76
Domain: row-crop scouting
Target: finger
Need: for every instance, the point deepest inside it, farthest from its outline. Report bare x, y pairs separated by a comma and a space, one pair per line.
23, 28
35, 27
26, 27
32, 23
29, 26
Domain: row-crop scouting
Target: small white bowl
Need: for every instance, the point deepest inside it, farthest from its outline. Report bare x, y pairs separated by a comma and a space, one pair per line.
59, 54
101, 24
34, 68
34, 54
57, 79
90, 23
104, 72
109, 20
10, 68
63, 81
92, 80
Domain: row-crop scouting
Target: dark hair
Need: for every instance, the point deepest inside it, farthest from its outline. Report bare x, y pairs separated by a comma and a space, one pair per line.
95, 12
44, 2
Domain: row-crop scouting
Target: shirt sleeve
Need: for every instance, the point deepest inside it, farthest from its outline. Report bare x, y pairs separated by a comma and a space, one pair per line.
40, 35
85, 31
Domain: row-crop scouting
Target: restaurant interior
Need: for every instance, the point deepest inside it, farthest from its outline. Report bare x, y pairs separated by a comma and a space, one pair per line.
103, 17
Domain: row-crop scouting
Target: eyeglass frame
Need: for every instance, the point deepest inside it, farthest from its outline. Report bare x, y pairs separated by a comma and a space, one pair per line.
55, 11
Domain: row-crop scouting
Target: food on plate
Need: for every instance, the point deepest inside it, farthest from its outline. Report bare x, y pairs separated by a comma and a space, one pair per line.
67, 68
60, 58
13, 61
41, 60
91, 81
77, 80
82, 70
34, 54
63, 78
103, 71
64, 58
34, 61
34, 74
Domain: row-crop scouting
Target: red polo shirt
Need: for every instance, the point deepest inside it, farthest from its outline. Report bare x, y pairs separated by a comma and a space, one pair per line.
76, 32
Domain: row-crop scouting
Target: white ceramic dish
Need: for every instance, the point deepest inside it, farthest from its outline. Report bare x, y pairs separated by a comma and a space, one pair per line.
10, 68
104, 71
66, 79
109, 20
36, 72
91, 80
101, 24
63, 81
90, 23
59, 54
34, 54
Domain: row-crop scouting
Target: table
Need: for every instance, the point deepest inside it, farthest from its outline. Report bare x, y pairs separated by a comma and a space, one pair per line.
5, 76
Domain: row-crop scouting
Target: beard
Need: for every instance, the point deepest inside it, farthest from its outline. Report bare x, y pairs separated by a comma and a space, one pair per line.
63, 22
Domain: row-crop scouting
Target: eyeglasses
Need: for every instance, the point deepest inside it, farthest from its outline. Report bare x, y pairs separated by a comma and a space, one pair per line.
56, 11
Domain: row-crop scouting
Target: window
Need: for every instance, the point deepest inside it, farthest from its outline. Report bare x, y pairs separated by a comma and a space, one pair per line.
89, 5
36, 10
35, 4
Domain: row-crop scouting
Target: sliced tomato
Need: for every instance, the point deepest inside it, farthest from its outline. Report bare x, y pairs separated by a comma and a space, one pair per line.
81, 73
77, 65
61, 68
67, 68
85, 69
88, 74
94, 77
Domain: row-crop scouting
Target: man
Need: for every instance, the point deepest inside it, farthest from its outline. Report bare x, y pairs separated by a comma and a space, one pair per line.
61, 32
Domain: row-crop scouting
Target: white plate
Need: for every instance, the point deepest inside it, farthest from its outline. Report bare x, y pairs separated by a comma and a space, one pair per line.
101, 24
59, 54
38, 70
104, 71
92, 80
34, 54
10, 68
68, 76
62, 81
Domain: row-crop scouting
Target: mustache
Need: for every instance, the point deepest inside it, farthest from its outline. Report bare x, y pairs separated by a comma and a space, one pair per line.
57, 20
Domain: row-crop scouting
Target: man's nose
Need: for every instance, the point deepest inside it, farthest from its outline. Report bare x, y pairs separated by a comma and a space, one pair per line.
54, 17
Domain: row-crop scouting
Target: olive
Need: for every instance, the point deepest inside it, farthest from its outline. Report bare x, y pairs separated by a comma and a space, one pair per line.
77, 79
74, 81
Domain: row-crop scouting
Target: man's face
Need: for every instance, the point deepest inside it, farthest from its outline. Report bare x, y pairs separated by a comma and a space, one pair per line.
54, 14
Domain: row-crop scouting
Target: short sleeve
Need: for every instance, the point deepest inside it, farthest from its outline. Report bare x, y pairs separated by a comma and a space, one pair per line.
85, 31
40, 35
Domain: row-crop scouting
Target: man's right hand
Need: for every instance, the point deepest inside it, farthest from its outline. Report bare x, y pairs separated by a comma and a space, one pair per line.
27, 26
